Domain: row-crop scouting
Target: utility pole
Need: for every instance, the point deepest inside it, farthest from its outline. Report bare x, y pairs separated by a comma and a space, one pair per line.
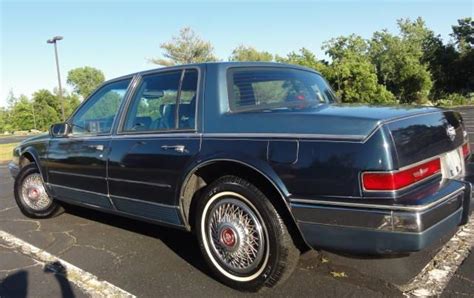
54, 41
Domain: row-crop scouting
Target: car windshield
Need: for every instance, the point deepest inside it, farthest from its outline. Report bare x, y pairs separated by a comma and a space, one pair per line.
276, 89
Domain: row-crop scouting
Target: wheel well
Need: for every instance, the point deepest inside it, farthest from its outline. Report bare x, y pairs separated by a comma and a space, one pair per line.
25, 159
205, 175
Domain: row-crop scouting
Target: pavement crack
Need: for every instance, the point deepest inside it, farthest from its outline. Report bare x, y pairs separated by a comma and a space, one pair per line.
7, 208
74, 242
35, 222
117, 258
84, 224
457, 294
86, 281
7, 271
464, 278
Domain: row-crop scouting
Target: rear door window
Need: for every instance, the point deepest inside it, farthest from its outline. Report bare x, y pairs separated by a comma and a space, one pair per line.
164, 101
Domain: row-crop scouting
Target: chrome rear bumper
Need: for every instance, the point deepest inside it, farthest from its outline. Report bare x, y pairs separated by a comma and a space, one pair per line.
410, 224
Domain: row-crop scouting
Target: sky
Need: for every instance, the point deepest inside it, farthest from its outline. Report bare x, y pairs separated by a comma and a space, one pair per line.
119, 37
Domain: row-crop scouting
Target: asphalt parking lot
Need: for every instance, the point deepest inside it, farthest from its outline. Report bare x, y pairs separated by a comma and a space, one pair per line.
146, 260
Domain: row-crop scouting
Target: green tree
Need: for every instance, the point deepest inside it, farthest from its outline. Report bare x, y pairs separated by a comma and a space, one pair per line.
185, 48
47, 109
11, 99
399, 61
442, 62
106, 107
46, 97
463, 33
6, 123
248, 53
4, 120
464, 64
305, 58
85, 80
352, 73
71, 101
22, 114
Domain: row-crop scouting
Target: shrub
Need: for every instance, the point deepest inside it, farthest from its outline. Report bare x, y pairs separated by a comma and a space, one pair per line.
454, 99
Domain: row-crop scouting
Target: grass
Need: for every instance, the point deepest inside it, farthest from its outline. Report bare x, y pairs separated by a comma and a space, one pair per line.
6, 151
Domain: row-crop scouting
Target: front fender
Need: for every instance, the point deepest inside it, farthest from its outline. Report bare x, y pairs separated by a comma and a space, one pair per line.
31, 152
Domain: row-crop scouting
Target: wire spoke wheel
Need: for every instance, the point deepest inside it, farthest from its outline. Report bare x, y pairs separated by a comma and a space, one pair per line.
242, 237
33, 193
237, 235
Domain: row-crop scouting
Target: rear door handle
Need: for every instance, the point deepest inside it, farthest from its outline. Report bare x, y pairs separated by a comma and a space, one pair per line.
177, 148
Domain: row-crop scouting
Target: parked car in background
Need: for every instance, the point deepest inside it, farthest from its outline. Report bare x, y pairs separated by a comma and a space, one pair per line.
259, 160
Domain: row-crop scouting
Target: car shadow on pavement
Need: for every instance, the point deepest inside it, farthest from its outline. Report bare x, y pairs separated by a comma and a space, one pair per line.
185, 245
182, 243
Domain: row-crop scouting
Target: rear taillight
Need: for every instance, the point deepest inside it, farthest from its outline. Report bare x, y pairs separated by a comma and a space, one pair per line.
388, 181
466, 150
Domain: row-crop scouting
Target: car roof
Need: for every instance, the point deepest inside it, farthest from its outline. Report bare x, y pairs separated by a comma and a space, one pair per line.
218, 64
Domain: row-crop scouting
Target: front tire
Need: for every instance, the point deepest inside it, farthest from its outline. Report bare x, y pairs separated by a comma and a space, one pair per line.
31, 195
242, 237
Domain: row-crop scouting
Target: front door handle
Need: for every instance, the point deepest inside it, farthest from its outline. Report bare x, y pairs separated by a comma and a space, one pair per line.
177, 148
97, 147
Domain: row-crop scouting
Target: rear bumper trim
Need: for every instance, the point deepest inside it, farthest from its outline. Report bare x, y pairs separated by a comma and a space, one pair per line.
359, 240
378, 206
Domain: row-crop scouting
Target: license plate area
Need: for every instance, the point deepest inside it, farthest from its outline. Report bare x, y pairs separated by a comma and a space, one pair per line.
453, 164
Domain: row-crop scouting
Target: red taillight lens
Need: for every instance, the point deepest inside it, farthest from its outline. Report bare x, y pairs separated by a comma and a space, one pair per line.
466, 150
384, 181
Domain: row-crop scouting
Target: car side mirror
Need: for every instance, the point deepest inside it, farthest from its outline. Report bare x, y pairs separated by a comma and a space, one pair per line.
60, 130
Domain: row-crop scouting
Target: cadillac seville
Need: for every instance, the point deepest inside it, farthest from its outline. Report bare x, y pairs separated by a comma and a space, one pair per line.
259, 160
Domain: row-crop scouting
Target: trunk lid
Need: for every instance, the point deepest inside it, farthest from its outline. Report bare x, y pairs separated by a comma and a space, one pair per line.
334, 121
420, 137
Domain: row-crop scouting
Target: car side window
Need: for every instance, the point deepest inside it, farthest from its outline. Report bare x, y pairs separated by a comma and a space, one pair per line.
97, 115
160, 98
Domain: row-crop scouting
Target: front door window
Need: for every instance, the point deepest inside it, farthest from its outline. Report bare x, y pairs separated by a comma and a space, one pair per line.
97, 115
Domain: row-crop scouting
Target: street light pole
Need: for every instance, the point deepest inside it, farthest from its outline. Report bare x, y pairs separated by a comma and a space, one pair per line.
54, 41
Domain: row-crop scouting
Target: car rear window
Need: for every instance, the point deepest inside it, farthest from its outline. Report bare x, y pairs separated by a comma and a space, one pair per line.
276, 88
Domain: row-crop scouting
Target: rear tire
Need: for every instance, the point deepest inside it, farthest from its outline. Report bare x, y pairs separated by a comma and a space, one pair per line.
31, 195
242, 237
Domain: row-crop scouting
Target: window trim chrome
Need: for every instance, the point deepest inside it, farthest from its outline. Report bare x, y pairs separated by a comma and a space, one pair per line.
342, 138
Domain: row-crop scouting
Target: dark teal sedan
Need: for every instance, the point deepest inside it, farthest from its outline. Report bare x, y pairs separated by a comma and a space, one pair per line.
259, 160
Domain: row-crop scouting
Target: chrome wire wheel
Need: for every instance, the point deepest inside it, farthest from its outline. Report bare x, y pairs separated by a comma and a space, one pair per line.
33, 193
236, 236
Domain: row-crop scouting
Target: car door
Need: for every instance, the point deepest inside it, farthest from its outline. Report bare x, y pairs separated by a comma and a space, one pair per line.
156, 142
76, 164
